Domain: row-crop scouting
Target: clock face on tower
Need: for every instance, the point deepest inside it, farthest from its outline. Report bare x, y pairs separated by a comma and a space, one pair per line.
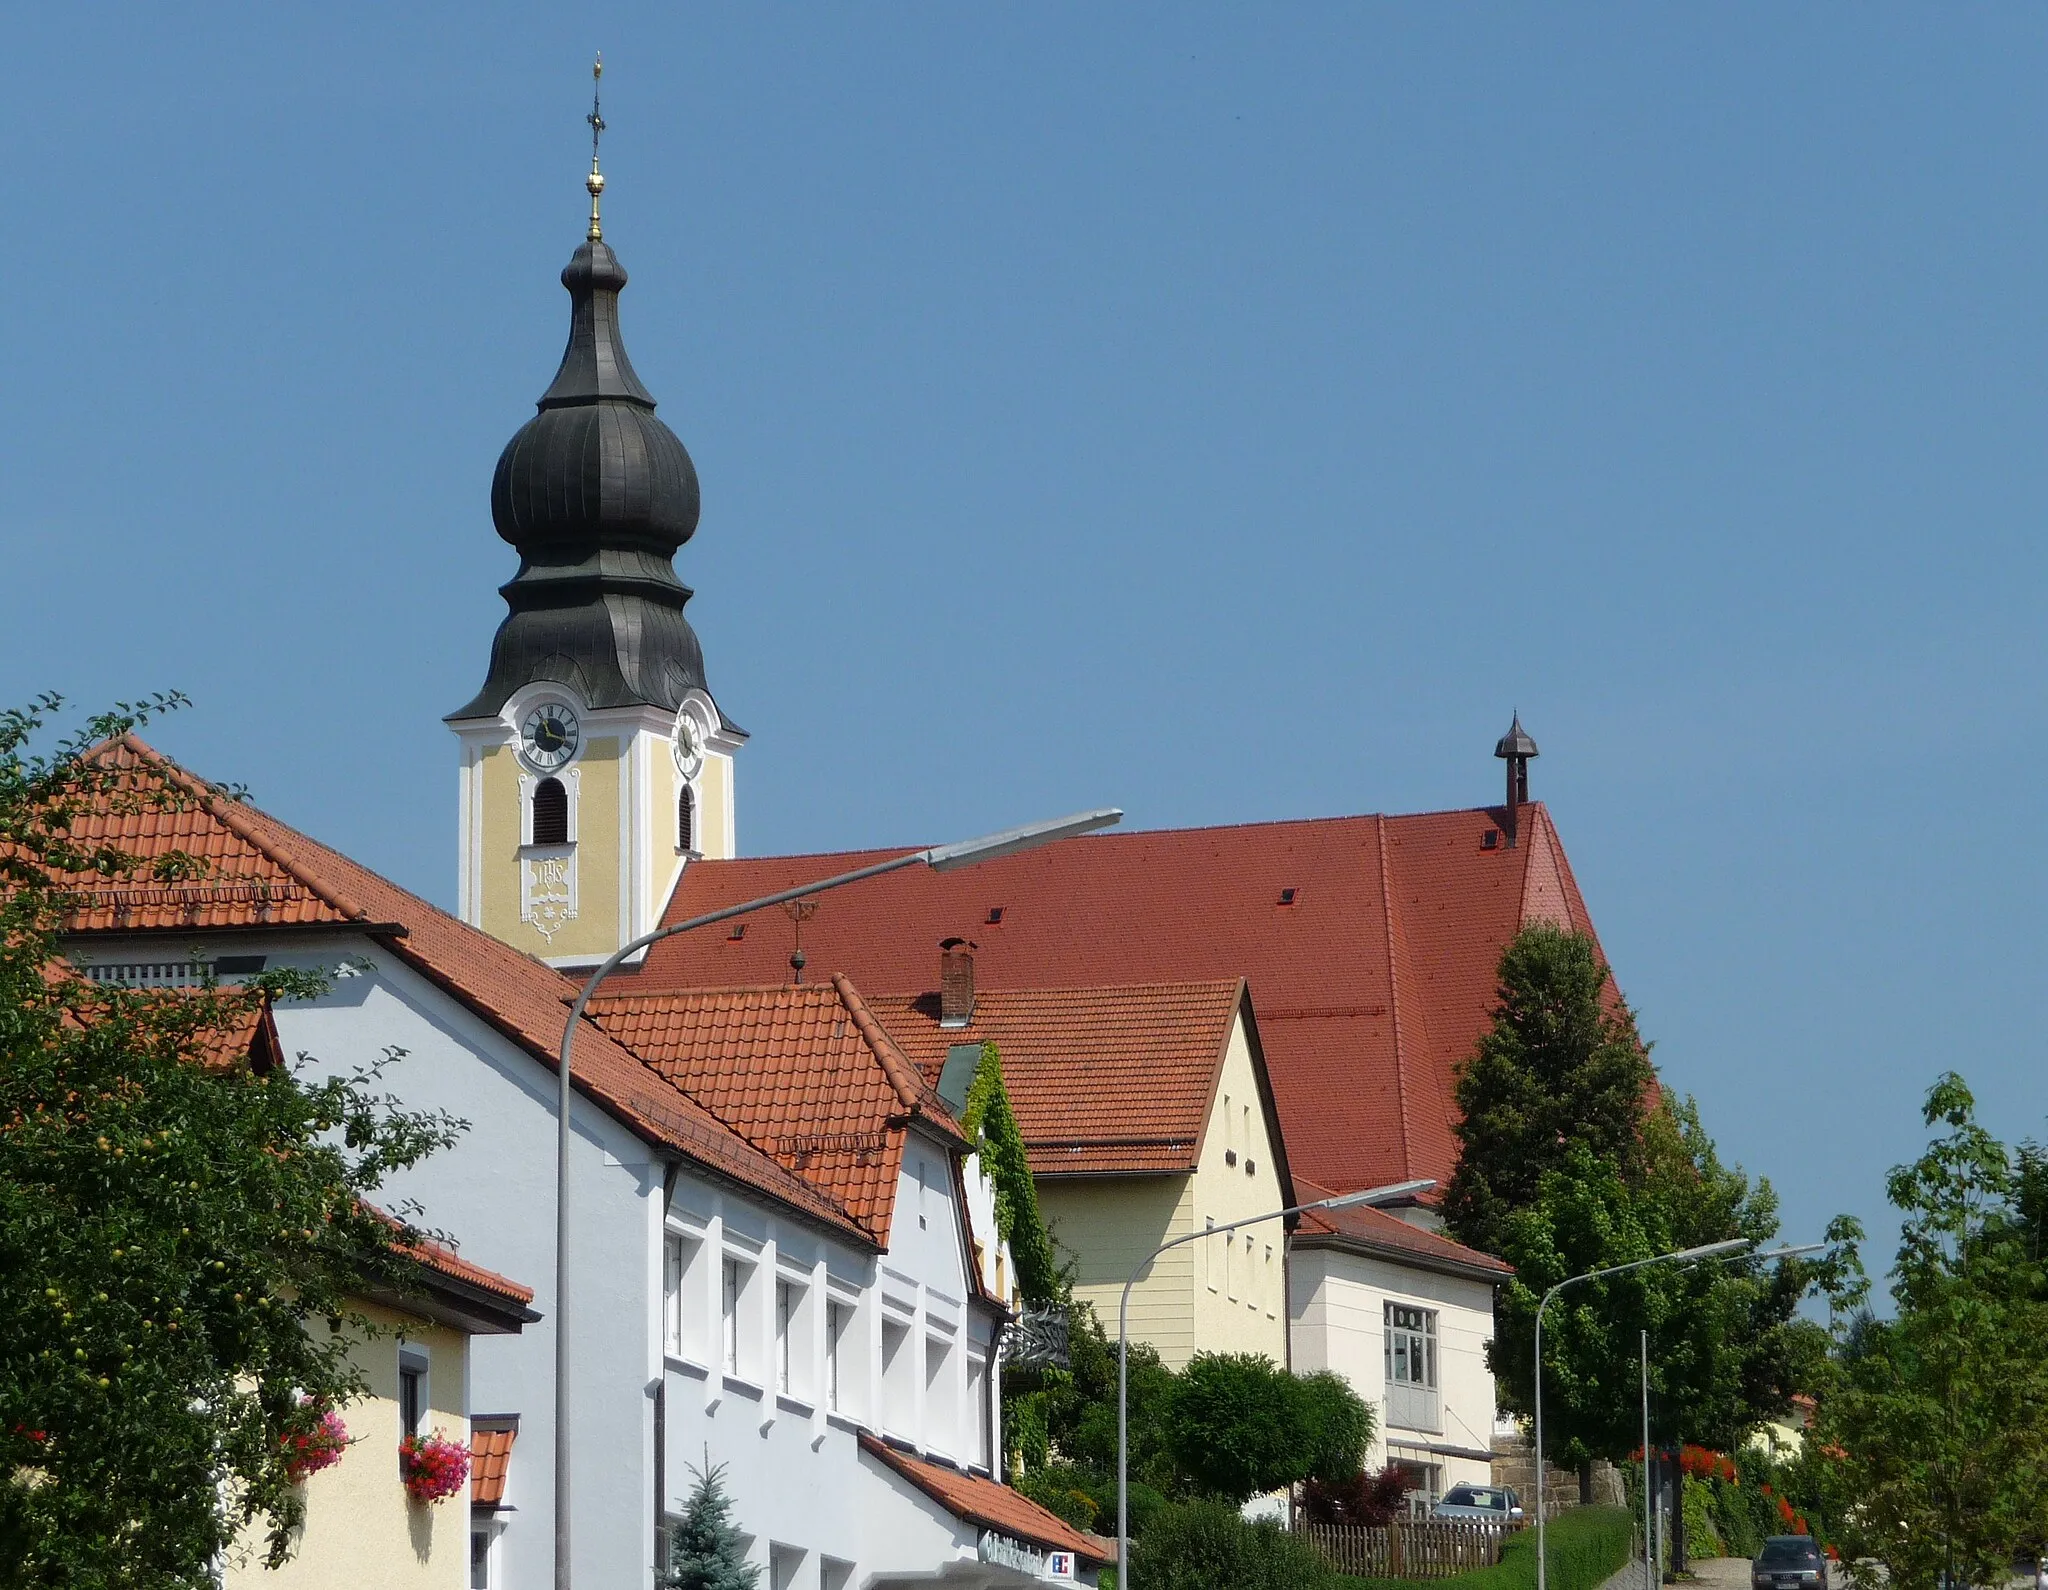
688, 742
548, 737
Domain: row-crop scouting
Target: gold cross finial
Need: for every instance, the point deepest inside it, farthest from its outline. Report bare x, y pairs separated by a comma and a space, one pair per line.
595, 181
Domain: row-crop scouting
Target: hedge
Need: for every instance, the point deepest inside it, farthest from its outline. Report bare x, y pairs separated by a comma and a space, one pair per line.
1588, 1546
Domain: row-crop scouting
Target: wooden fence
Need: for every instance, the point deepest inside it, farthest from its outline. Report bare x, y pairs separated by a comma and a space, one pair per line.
1418, 1548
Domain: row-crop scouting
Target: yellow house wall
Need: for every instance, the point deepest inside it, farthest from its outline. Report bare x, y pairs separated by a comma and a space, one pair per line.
1187, 1303
1240, 1297
361, 1528
1106, 1226
714, 809
599, 833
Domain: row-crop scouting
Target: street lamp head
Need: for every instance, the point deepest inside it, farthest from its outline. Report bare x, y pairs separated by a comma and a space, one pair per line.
1714, 1250
966, 852
1393, 1193
1799, 1252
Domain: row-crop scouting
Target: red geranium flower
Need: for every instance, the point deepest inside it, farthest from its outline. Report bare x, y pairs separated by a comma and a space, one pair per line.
433, 1467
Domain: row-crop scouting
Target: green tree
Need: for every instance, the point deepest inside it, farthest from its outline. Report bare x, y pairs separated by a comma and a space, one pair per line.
1561, 1064
1240, 1426
1206, 1545
706, 1550
991, 1126
181, 1232
1941, 1413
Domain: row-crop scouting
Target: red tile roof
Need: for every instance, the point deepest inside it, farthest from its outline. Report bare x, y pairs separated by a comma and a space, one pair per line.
439, 1256
804, 1073
1371, 986
1376, 1232
1102, 1079
983, 1501
521, 997
490, 1457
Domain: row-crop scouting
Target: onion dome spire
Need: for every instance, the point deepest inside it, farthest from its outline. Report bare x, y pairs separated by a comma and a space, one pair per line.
597, 495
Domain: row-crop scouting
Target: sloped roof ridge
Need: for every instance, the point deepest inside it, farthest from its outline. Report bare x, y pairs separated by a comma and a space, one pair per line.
918, 1096
1206, 985
677, 1127
1119, 835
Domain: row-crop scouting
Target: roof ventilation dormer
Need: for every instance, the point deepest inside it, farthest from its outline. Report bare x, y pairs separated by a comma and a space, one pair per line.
956, 983
1516, 749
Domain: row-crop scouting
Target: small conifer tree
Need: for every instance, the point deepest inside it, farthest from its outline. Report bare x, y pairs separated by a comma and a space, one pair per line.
706, 1551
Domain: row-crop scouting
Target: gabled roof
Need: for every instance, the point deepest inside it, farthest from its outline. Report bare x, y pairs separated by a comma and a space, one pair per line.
1371, 985
521, 997
804, 1073
1103, 1080
1378, 1234
983, 1501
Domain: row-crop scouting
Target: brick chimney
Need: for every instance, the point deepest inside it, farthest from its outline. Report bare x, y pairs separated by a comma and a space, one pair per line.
956, 982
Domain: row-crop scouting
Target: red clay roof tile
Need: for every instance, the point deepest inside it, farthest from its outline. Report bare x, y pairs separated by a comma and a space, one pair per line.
490, 1458
984, 1501
1101, 1079
521, 997
1370, 988
1377, 1231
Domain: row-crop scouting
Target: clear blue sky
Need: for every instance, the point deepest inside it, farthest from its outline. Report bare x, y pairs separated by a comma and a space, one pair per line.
1229, 413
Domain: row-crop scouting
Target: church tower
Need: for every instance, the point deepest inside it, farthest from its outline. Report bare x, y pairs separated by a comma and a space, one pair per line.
595, 764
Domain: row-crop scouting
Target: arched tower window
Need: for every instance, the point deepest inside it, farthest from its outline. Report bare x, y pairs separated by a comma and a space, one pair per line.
686, 819
550, 813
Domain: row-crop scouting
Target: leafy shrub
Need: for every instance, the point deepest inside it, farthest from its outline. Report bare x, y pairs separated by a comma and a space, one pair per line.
1365, 1500
1209, 1546
1702, 1539
1241, 1426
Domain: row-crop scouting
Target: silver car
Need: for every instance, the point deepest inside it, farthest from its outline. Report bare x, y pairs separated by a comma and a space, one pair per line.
1495, 1502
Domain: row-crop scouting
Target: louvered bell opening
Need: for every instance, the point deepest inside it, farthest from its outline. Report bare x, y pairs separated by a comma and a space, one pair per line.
550, 813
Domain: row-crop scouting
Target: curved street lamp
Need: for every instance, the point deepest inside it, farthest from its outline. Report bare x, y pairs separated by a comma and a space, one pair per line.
1711, 1250
1371, 1195
940, 858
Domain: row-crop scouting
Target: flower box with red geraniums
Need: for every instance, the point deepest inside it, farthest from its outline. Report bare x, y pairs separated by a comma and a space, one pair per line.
433, 1467
307, 1452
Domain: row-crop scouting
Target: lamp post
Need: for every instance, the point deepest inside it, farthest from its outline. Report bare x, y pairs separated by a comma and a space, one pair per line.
1371, 1195
1649, 1537
1711, 1250
940, 858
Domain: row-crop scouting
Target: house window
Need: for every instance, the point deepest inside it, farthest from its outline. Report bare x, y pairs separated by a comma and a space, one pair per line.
683, 1325
412, 1389
941, 1416
686, 819
1272, 1287
977, 1412
732, 1297
836, 1315
1412, 1393
480, 1558
785, 1314
550, 813
899, 1390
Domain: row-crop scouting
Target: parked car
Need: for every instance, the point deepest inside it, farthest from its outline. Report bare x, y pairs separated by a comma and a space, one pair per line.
1496, 1502
1789, 1562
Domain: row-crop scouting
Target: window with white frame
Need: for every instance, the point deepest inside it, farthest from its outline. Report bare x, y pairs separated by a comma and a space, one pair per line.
480, 1557
977, 1412
941, 1401
739, 1319
899, 1368
412, 1388
788, 1320
1412, 1393
682, 1309
838, 1319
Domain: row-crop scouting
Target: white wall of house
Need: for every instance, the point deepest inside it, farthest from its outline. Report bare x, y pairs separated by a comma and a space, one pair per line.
1337, 1317
823, 1515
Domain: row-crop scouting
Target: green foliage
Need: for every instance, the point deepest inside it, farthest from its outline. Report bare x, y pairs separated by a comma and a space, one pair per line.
1702, 1535
1241, 1426
1942, 1412
991, 1126
1562, 1064
1206, 1545
181, 1234
1069, 1415
706, 1550
1567, 1167
1587, 1547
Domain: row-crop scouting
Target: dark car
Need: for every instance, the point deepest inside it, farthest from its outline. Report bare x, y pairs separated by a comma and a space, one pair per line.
1789, 1562
1478, 1501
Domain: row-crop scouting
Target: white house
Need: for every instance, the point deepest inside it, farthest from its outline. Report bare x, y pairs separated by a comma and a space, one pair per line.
1405, 1315
772, 1258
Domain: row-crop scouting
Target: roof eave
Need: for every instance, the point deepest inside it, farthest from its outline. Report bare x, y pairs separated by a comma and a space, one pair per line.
1437, 1264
